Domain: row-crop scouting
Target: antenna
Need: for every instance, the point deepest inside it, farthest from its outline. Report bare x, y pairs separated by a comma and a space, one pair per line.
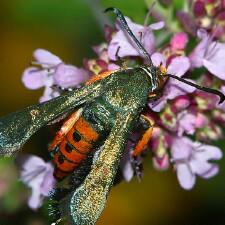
206, 89
126, 28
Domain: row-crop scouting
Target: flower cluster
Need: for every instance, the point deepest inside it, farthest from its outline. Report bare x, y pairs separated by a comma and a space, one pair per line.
186, 119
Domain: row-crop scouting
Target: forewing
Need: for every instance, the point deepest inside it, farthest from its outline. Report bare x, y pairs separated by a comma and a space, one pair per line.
88, 201
16, 128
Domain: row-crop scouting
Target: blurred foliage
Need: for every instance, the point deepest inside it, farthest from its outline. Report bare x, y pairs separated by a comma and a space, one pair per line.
69, 29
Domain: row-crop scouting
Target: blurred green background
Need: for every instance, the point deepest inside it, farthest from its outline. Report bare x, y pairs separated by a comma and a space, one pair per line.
69, 29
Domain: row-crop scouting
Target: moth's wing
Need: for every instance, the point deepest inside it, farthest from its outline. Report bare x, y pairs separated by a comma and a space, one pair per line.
16, 128
87, 202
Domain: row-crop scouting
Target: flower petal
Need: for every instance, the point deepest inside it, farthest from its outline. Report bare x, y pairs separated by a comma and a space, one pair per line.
46, 57
185, 177
158, 58
158, 105
48, 181
69, 76
197, 55
214, 169
214, 60
121, 44
38, 175
33, 78
35, 200
185, 123
208, 152
175, 88
181, 148
179, 66
157, 26
48, 94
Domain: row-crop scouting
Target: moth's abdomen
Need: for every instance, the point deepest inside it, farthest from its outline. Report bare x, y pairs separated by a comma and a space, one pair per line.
74, 148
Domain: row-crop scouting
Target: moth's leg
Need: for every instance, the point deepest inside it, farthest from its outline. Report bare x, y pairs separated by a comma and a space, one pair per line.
88, 201
66, 127
17, 127
147, 124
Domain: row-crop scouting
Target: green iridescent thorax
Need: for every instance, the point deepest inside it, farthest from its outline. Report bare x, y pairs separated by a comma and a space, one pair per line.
127, 91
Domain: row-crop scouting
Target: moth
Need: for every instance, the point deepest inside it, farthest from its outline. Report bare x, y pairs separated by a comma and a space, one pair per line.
103, 113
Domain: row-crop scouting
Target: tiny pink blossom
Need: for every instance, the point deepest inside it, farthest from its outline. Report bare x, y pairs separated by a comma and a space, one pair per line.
51, 71
186, 122
38, 175
201, 120
180, 103
193, 158
179, 41
161, 163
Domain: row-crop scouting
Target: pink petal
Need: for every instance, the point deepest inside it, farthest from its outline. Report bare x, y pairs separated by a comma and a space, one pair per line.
69, 76
158, 58
44, 56
185, 176
125, 163
161, 163
157, 26
126, 46
35, 200
113, 66
214, 61
48, 181
181, 103
33, 78
214, 169
38, 175
175, 88
148, 40
30, 162
128, 171
179, 41
48, 94
121, 42
181, 148
158, 105
209, 152
201, 120
197, 55
179, 66
186, 123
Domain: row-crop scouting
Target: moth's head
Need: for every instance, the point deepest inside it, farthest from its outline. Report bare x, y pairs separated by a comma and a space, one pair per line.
161, 73
157, 77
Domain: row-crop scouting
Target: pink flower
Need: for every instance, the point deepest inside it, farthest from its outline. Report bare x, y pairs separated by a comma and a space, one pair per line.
209, 54
51, 71
179, 41
180, 103
186, 123
178, 66
122, 46
193, 158
38, 175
